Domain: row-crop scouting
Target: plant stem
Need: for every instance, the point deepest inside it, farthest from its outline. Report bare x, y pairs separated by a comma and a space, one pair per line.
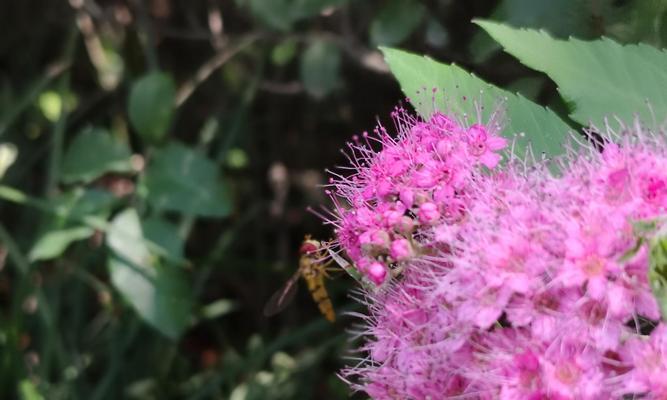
58, 139
148, 39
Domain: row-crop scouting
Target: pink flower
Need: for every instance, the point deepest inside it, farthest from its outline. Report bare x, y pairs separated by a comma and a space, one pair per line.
648, 358
428, 213
516, 283
483, 145
401, 250
377, 272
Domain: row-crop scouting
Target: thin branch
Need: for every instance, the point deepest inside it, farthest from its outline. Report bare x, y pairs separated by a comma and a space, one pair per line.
210, 66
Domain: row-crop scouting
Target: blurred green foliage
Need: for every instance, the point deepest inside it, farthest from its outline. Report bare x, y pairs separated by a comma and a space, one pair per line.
157, 158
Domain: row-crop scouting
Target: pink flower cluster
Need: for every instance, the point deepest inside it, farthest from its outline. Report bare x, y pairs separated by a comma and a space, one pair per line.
417, 181
516, 283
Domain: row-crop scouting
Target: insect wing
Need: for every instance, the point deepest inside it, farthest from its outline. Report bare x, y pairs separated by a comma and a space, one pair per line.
281, 298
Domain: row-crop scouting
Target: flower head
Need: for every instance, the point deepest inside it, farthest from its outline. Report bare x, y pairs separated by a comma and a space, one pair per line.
516, 283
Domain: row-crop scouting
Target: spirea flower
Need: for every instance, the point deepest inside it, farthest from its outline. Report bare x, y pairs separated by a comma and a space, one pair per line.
408, 184
516, 283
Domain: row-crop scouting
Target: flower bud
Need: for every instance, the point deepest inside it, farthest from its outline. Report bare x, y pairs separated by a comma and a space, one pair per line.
428, 213
377, 272
400, 249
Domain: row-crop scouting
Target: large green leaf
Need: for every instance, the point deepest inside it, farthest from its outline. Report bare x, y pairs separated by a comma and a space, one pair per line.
93, 153
151, 105
184, 180
396, 21
159, 292
531, 123
600, 78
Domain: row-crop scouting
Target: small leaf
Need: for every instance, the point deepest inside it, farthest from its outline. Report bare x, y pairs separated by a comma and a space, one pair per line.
65, 227
218, 308
93, 153
184, 180
151, 106
51, 105
320, 68
54, 243
601, 78
532, 123
158, 291
436, 34
8, 154
395, 22
283, 52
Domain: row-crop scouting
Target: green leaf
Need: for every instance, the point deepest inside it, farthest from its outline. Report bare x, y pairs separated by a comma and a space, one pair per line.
184, 180
395, 22
79, 203
532, 123
158, 291
54, 243
657, 274
93, 153
164, 234
28, 391
51, 105
283, 52
151, 106
320, 68
561, 18
8, 154
601, 78
218, 308
59, 231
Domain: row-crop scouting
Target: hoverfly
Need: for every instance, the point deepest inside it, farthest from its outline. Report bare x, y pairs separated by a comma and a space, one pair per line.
313, 269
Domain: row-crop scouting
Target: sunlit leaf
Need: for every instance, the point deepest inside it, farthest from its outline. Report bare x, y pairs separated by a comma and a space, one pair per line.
151, 106
600, 78
93, 153
184, 180
8, 154
28, 391
51, 105
159, 292
532, 123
